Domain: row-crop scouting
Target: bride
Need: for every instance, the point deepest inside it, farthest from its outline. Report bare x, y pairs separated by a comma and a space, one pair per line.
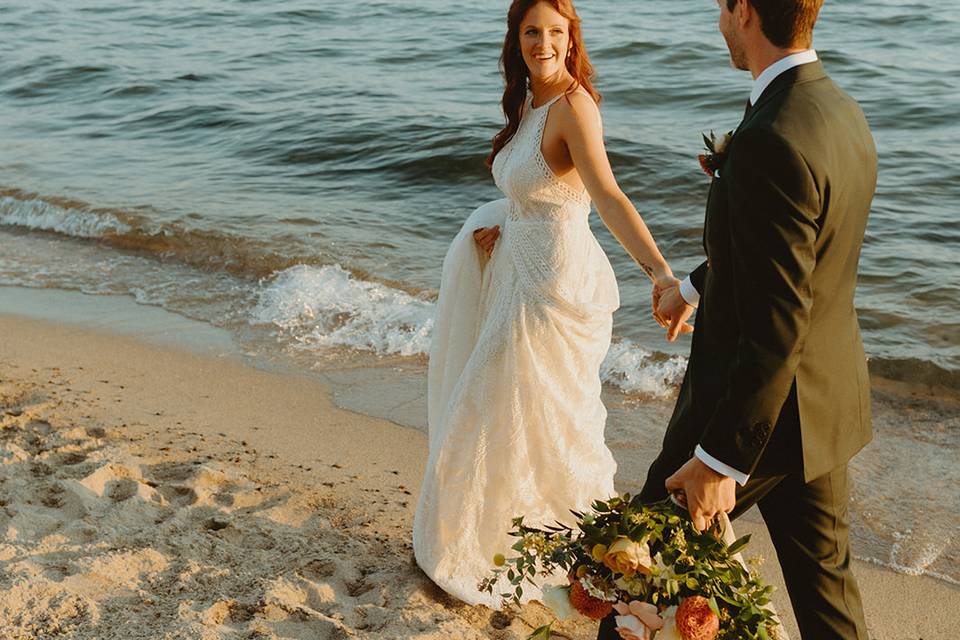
524, 317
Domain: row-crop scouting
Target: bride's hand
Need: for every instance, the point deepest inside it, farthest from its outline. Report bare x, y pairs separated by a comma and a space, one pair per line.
672, 311
486, 238
661, 283
665, 280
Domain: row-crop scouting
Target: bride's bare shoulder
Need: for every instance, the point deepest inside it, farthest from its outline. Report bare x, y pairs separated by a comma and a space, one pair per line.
579, 109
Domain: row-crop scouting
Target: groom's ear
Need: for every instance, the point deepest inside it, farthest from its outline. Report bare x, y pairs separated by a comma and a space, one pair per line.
744, 13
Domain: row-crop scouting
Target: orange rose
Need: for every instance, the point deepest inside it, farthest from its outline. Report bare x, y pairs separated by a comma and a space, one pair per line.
593, 608
696, 620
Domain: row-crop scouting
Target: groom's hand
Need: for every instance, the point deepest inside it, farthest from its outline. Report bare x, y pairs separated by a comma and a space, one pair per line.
706, 492
674, 310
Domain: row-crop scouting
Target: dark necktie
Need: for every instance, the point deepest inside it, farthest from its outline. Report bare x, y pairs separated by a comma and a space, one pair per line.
746, 109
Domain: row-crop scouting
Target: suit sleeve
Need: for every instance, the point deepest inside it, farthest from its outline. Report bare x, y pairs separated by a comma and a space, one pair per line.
774, 212
698, 277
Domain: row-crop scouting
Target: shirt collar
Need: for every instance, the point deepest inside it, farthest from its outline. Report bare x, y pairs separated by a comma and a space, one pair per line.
783, 64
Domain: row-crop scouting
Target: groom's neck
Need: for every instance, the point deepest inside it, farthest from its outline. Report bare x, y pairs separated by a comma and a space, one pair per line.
764, 54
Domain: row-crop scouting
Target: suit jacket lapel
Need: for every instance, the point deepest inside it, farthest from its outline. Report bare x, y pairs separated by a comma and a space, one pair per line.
789, 78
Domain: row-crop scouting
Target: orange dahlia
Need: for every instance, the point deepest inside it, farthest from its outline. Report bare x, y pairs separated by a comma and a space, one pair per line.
696, 620
593, 608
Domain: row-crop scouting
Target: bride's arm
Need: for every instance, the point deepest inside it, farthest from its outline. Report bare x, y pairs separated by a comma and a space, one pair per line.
582, 133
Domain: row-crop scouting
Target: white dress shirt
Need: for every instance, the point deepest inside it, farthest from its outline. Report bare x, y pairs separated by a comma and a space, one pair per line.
688, 291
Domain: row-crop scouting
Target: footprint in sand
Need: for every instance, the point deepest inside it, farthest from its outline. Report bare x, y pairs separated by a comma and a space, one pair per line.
41, 427
71, 458
120, 490
52, 496
178, 495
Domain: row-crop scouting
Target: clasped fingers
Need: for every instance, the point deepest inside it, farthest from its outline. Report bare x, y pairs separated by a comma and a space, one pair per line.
673, 312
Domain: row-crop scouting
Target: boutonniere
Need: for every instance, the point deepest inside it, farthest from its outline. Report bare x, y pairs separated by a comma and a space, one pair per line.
717, 152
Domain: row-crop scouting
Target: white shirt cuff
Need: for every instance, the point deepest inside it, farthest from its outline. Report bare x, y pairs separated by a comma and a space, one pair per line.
689, 293
720, 467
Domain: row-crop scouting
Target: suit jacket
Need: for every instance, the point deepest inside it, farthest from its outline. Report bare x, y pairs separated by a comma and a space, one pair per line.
777, 378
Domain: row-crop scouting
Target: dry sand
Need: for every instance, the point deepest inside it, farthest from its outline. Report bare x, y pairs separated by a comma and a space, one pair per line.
150, 492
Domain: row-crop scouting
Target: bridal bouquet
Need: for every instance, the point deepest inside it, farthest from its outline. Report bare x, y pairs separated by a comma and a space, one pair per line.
664, 579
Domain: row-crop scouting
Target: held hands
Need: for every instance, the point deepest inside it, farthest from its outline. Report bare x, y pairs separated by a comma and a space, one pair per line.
703, 491
670, 310
486, 238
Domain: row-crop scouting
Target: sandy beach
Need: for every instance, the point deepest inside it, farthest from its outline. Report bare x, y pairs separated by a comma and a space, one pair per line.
153, 491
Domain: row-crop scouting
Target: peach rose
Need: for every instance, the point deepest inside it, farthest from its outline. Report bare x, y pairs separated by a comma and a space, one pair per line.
637, 620
627, 557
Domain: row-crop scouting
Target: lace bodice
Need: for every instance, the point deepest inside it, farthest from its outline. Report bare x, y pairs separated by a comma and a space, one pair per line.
523, 175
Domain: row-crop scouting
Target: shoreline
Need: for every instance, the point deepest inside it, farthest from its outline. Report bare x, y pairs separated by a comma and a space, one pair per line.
342, 488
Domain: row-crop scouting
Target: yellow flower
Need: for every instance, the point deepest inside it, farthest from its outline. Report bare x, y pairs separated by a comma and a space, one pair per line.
598, 551
627, 557
499, 560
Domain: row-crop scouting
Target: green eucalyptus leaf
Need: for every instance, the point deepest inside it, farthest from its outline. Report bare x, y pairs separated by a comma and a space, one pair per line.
541, 633
738, 544
713, 605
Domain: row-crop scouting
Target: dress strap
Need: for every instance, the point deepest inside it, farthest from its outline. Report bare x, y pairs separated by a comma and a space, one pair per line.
541, 113
544, 109
549, 102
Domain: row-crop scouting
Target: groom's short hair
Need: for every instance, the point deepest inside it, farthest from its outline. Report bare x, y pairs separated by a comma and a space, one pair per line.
786, 23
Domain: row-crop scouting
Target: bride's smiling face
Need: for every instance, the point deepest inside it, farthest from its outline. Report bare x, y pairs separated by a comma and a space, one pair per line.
544, 41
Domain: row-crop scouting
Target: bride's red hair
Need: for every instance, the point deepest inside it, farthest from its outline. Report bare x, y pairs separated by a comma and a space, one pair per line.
515, 72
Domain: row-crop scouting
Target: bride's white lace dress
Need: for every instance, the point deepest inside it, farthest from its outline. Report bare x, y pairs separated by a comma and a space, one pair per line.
515, 417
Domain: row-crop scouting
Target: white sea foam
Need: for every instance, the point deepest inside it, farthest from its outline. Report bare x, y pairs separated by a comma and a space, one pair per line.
909, 570
912, 553
328, 307
42, 215
633, 369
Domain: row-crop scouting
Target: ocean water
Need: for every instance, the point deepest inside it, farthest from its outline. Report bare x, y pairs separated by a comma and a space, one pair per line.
293, 172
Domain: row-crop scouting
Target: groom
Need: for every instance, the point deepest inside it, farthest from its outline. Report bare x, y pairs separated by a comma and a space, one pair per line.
776, 399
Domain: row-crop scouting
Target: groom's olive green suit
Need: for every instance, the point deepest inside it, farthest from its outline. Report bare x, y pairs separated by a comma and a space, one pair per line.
777, 385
